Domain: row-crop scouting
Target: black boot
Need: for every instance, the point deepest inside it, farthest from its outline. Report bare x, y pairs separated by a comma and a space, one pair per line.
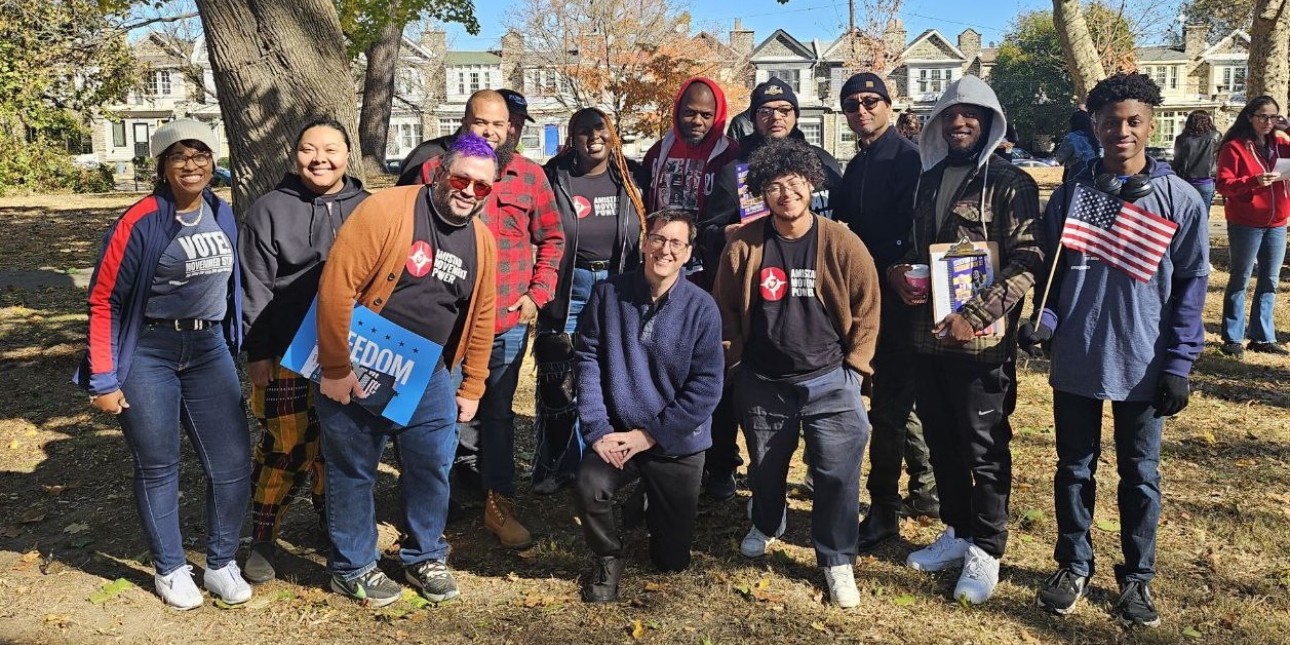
880, 525
602, 581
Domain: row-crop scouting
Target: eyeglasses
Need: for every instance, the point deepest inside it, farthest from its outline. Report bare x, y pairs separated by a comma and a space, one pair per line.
777, 189
1267, 118
656, 242
768, 112
480, 190
179, 159
851, 106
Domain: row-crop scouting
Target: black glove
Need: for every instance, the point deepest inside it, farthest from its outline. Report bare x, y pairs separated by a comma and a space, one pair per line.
1171, 395
1034, 338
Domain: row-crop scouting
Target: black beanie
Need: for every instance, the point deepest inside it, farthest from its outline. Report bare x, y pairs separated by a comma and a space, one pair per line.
865, 82
773, 90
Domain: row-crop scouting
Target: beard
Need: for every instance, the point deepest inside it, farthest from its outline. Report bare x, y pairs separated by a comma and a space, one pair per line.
505, 152
441, 204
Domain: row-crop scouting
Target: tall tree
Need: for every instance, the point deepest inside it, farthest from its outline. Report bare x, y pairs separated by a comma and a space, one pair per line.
1221, 16
1031, 78
1077, 46
276, 65
1269, 50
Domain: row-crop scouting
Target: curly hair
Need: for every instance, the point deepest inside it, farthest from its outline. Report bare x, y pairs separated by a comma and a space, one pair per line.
1123, 86
782, 158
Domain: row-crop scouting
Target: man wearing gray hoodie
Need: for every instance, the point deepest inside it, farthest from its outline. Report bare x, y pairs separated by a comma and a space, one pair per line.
965, 385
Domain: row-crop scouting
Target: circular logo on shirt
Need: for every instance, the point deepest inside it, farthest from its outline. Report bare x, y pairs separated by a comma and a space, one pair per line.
774, 284
581, 206
420, 259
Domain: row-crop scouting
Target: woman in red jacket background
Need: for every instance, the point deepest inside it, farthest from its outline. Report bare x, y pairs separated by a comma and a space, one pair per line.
1257, 206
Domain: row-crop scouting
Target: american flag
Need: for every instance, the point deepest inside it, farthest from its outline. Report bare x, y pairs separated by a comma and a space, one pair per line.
1121, 234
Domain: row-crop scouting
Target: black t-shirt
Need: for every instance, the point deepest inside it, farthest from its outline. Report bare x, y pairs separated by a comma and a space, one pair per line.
433, 294
792, 336
595, 202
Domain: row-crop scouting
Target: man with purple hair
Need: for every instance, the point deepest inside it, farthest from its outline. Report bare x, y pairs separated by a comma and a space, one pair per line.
419, 257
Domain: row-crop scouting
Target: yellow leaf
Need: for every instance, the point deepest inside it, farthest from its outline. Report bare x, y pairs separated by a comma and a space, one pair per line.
13, 445
1208, 437
763, 583
654, 586
638, 629
819, 627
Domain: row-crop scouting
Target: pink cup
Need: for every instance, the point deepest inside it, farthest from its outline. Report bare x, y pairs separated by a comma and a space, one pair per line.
919, 277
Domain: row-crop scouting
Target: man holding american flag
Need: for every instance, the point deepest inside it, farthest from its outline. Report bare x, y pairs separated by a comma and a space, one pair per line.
1129, 265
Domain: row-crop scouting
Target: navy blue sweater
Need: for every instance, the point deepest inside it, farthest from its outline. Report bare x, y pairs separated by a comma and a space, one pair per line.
650, 366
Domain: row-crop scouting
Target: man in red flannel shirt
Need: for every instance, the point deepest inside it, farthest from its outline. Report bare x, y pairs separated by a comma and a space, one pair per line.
521, 215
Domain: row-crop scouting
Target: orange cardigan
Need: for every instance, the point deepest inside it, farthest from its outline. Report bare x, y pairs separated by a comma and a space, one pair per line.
365, 264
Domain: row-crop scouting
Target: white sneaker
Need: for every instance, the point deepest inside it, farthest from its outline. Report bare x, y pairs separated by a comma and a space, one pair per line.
980, 575
227, 584
177, 588
842, 585
946, 551
783, 521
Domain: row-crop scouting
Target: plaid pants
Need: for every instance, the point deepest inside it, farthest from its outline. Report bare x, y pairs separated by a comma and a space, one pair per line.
288, 451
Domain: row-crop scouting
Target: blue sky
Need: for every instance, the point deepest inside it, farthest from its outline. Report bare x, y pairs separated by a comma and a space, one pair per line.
804, 19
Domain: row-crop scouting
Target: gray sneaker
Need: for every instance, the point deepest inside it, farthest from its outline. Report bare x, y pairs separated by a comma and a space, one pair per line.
433, 579
372, 588
260, 563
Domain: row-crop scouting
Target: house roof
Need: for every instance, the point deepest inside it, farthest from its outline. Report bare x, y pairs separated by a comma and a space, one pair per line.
1159, 53
472, 58
800, 49
928, 35
1225, 41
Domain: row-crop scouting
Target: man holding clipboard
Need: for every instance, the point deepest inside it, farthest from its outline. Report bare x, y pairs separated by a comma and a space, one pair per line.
965, 383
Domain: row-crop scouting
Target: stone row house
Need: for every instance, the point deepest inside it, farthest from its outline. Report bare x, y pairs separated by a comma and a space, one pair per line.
433, 83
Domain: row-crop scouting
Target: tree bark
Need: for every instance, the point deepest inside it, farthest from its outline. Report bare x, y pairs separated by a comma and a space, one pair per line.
1077, 47
277, 65
1269, 59
378, 95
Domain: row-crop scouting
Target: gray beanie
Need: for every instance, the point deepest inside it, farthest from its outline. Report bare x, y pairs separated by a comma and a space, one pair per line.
182, 130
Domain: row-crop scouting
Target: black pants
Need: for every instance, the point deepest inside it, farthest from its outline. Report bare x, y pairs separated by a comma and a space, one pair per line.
965, 405
897, 434
723, 457
672, 488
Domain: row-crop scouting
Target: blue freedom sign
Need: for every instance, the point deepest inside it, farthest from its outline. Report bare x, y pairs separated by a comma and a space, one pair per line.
393, 365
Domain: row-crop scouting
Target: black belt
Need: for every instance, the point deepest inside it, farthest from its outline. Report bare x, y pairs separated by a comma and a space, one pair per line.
598, 265
191, 324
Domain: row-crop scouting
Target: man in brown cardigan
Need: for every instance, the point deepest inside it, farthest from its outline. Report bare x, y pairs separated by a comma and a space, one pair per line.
799, 307
419, 257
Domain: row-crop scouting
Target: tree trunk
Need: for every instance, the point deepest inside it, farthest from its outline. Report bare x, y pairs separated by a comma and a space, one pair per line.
378, 95
1077, 47
277, 65
1269, 51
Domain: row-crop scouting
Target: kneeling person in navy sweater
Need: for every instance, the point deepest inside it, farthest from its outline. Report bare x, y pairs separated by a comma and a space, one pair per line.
650, 365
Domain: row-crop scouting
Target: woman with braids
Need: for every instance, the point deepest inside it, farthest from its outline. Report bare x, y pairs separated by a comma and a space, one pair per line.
1196, 154
285, 240
603, 215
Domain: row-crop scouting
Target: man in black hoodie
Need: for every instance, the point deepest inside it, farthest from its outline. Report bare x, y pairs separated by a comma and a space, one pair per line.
877, 201
774, 114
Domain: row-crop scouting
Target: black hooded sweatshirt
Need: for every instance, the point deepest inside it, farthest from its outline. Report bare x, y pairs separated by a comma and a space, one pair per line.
284, 241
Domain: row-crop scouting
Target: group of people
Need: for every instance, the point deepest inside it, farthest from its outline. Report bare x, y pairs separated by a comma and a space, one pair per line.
722, 284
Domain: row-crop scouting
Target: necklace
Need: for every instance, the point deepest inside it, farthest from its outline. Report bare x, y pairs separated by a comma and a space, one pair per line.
179, 217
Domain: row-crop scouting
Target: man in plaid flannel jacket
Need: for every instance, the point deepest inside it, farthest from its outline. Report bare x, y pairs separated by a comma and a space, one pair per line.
522, 215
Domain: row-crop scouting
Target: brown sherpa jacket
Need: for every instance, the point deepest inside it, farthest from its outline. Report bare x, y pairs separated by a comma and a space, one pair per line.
365, 264
846, 282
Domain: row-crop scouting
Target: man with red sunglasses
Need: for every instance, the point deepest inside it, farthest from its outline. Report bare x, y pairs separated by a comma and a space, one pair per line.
522, 215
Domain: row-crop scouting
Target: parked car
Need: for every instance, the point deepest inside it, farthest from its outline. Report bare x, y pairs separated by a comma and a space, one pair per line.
1165, 154
1032, 163
392, 165
1020, 154
221, 177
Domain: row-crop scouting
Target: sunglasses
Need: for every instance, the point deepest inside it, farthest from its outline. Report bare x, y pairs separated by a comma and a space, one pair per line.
459, 183
851, 106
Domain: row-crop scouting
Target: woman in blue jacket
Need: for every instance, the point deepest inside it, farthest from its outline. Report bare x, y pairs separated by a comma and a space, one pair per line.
165, 322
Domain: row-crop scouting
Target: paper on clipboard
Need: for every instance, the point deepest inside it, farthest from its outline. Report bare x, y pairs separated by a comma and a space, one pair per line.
1282, 169
957, 277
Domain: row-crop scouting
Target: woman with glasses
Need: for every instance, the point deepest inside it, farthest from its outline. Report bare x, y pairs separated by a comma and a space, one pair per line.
165, 322
1257, 206
602, 214
285, 240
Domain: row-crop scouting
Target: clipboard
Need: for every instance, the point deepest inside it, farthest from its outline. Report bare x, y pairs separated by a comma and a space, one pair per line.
959, 271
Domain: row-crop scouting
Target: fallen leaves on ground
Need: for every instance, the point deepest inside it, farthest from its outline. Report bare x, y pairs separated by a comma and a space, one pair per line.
110, 590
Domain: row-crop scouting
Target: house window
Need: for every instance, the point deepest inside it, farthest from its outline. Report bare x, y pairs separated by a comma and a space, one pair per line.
118, 134
474, 82
530, 139
461, 82
1233, 78
449, 126
159, 83
410, 83
409, 135
813, 133
790, 76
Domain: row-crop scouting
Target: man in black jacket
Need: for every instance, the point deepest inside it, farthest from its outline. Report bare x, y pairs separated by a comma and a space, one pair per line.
774, 113
516, 107
876, 201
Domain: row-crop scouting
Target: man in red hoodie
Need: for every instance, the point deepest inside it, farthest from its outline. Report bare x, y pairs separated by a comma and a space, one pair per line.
682, 167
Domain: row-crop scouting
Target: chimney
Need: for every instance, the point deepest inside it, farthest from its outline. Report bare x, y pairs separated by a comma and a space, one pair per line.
435, 41
895, 38
1194, 40
741, 40
512, 57
970, 43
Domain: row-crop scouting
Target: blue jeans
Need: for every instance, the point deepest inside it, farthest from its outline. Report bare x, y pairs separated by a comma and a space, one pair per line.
827, 412
559, 443
1137, 454
1248, 243
352, 441
486, 444
1206, 190
187, 378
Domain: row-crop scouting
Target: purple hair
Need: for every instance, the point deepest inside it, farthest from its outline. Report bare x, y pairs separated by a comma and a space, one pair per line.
469, 144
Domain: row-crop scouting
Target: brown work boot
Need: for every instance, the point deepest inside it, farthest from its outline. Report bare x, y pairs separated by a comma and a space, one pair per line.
499, 518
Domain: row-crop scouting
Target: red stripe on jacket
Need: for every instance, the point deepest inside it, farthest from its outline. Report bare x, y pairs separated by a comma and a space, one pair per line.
101, 333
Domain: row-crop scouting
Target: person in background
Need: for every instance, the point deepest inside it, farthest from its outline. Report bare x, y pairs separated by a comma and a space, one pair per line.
741, 125
603, 217
516, 106
1078, 147
1257, 206
285, 240
908, 126
165, 321
1196, 155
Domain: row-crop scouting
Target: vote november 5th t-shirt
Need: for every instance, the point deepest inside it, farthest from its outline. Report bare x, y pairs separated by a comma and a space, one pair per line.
192, 276
433, 294
792, 336
595, 202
